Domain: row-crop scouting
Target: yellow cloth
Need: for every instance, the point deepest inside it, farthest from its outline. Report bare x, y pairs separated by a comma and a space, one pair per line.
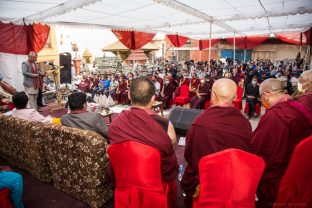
56, 121
196, 193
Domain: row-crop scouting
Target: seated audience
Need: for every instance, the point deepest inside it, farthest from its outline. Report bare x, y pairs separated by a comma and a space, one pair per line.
194, 85
122, 91
113, 85
80, 118
141, 124
84, 85
6, 93
14, 182
305, 88
167, 93
184, 81
218, 128
157, 87
159, 79
20, 100
202, 94
284, 124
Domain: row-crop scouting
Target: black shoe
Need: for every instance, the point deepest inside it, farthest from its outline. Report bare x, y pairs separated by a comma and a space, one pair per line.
42, 105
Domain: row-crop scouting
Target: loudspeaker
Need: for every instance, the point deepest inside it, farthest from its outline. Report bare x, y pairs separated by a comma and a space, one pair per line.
65, 73
182, 118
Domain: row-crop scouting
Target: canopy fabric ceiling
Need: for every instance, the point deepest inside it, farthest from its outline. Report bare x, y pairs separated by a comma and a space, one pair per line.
184, 17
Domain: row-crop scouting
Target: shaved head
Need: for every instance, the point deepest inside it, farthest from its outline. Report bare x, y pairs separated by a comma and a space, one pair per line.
271, 85
306, 76
225, 89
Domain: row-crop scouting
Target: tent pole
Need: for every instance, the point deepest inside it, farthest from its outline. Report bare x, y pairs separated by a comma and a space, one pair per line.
209, 53
234, 49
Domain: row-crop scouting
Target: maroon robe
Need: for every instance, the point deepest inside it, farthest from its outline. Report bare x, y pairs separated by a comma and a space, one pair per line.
161, 82
122, 89
194, 85
167, 97
84, 85
199, 103
142, 126
279, 131
306, 100
216, 129
185, 81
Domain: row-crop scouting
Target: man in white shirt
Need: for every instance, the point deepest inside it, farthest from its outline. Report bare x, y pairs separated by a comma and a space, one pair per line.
20, 101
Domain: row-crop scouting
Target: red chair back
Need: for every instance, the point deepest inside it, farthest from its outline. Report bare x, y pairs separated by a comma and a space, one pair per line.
5, 201
137, 170
239, 92
296, 184
229, 179
184, 91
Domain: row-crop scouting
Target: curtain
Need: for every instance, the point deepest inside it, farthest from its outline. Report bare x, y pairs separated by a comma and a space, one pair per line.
177, 40
203, 44
21, 39
132, 39
294, 38
247, 42
308, 35
16, 41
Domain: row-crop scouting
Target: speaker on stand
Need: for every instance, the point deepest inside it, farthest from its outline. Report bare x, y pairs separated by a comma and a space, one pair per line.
65, 72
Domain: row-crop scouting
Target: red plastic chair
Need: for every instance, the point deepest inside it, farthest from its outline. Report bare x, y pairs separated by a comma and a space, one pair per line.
238, 100
5, 200
257, 109
296, 185
207, 104
137, 170
229, 179
183, 98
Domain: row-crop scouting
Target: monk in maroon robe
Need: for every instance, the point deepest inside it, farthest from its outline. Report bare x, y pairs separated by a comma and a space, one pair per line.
121, 91
84, 85
143, 125
159, 80
167, 93
184, 81
193, 85
203, 94
218, 128
305, 87
284, 125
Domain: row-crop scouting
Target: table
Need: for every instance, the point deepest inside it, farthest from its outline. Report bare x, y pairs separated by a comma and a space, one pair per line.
109, 116
159, 105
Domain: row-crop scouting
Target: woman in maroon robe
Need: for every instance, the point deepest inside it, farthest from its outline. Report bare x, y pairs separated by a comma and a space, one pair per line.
167, 93
202, 94
121, 89
193, 85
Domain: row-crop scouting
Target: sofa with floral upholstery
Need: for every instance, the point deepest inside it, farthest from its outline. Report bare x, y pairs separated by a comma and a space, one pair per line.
78, 163
21, 144
74, 159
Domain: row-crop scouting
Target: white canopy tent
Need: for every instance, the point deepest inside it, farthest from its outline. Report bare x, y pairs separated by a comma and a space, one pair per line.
200, 19
185, 17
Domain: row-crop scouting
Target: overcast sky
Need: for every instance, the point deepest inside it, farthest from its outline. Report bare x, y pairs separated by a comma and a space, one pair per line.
93, 38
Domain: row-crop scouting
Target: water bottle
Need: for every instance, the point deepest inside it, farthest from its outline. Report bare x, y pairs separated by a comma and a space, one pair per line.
180, 172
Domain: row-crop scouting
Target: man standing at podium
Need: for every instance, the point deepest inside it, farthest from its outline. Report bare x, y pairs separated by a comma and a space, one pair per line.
32, 81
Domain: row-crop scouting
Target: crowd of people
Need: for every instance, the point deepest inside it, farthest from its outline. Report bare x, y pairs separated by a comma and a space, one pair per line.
286, 122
